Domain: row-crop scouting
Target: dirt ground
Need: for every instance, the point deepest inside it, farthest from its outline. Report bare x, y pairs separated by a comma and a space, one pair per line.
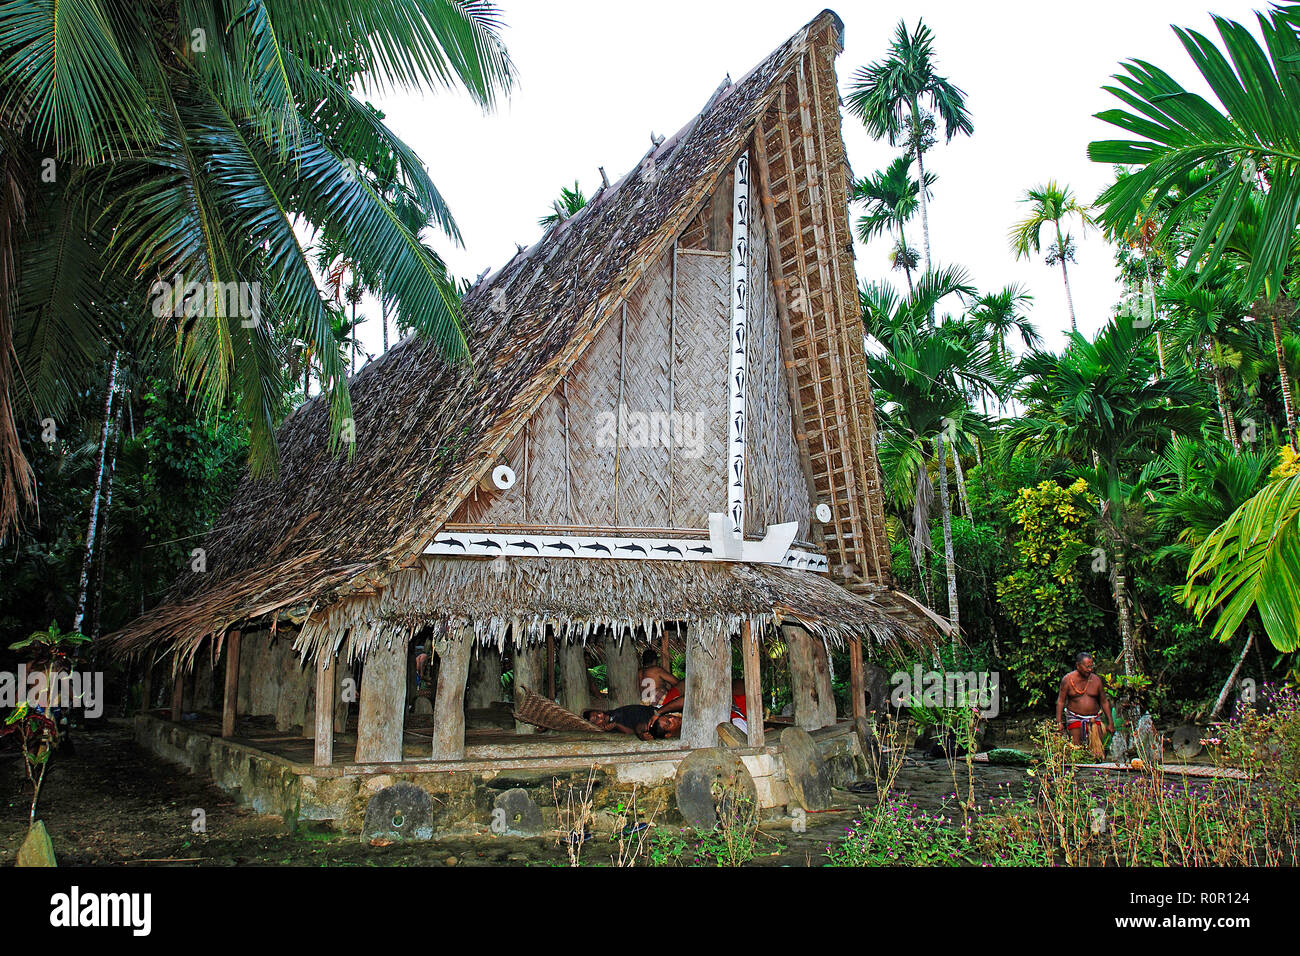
110, 802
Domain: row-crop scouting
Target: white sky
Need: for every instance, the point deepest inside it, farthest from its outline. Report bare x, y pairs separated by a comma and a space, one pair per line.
596, 77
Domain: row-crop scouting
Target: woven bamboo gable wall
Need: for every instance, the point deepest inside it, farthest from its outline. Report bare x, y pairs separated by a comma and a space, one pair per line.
635, 435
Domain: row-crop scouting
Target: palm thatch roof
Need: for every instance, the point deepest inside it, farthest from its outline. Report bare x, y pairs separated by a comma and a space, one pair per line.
331, 528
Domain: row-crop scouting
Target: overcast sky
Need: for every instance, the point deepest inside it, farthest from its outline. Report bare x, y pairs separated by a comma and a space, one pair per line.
597, 77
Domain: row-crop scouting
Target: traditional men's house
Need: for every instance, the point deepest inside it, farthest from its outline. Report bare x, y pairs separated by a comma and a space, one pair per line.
665, 436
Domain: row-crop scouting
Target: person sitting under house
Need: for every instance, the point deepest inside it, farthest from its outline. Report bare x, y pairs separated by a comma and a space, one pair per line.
654, 680
631, 719
675, 699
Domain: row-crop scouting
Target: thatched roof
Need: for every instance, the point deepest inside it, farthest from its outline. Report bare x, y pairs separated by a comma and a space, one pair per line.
332, 528
517, 599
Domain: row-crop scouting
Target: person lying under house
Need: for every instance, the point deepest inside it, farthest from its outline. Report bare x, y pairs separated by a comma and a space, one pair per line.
631, 719
675, 700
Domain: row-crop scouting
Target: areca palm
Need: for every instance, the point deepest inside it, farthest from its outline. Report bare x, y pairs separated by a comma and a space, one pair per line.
186, 141
1252, 560
1250, 145
1204, 320
1102, 404
890, 198
1205, 483
921, 377
997, 316
887, 96
1051, 204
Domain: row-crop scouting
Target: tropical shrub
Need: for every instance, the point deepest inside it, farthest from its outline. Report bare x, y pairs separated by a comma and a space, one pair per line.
1044, 595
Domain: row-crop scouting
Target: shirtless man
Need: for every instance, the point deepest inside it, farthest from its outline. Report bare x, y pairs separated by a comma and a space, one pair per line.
1082, 704
654, 680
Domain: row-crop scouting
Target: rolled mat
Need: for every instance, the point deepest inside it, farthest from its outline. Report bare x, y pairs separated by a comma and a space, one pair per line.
540, 712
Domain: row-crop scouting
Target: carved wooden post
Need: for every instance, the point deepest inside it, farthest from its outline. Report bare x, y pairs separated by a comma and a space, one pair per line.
449, 696
382, 719
810, 679
621, 665
857, 687
753, 685
708, 690
326, 667
229, 703
574, 693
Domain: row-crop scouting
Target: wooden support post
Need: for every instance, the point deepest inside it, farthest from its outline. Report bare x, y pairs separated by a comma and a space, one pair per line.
326, 691
230, 701
178, 689
621, 665
550, 666
449, 696
342, 705
146, 692
753, 685
485, 678
529, 661
857, 688
382, 718
810, 679
708, 690
575, 696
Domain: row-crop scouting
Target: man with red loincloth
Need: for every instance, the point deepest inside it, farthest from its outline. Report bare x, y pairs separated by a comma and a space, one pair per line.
1082, 707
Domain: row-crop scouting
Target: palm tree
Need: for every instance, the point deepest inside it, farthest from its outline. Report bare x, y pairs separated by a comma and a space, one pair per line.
1252, 560
921, 400
1051, 203
887, 97
570, 201
1102, 405
995, 316
889, 199
181, 144
1205, 319
1253, 147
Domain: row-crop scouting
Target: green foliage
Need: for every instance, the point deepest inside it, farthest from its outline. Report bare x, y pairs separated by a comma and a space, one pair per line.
1043, 595
1256, 143
1251, 561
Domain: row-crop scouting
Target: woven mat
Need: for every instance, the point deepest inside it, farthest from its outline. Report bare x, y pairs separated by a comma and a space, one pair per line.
540, 712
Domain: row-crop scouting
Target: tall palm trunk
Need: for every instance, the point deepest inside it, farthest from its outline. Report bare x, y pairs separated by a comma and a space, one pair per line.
1120, 594
920, 168
383, 316
1283, 374
97, 617
945, 509
1065, 276
1225, 409
83, 586
963, 499
907, 270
